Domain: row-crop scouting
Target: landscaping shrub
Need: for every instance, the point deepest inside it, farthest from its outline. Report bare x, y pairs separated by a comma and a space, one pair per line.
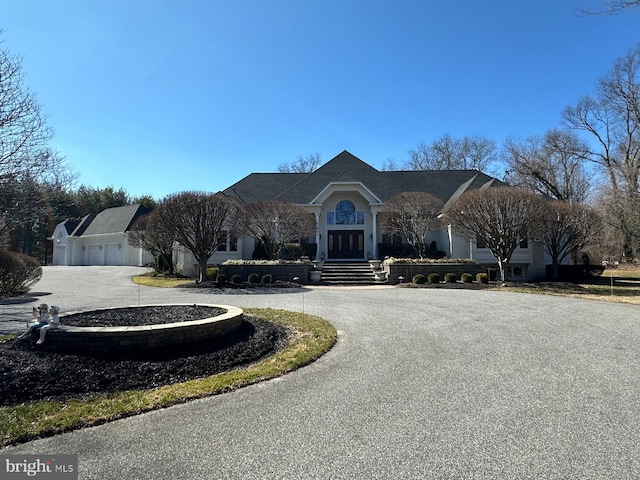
254, 278
17, 272
419, 279
237, 278
466, 278
266, 278
212, 273
291, 251
482, 278
450, 278
434, 278
221, 280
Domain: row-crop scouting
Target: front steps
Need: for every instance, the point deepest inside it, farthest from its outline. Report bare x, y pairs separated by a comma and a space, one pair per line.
348, 273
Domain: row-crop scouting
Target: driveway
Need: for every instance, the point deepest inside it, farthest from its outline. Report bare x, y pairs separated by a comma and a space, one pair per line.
422, 383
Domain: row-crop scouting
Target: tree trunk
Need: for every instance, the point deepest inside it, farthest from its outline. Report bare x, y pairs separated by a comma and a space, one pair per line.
203, 271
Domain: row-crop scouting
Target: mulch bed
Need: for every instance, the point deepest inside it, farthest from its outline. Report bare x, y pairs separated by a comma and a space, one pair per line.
30, 373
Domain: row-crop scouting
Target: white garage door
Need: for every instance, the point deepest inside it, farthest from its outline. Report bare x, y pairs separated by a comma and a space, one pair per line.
111, 254
59, 254
93, 255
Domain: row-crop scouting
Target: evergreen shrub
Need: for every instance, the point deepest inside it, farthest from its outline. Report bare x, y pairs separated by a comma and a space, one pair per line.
419, 279
254, 278
482, 278
434, 278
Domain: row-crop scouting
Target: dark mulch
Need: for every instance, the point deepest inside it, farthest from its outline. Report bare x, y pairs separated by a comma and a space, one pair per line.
29, 373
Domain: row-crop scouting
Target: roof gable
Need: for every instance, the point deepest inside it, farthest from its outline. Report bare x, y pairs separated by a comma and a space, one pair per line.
114, 220
303, 188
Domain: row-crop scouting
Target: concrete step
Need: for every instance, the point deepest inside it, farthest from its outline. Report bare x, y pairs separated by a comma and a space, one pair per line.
348, 273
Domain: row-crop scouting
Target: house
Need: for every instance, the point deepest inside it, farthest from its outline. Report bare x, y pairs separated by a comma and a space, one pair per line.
100, 239
346, 195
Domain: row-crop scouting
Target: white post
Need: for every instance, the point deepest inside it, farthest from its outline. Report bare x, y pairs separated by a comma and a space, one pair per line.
374, 247
318, 249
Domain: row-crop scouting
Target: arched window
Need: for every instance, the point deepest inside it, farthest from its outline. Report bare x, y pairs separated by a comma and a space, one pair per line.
345, 213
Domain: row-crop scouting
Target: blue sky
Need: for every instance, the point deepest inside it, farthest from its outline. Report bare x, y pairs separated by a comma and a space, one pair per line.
159, 97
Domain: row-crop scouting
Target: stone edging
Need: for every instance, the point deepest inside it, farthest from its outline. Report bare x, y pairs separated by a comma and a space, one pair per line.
139, 338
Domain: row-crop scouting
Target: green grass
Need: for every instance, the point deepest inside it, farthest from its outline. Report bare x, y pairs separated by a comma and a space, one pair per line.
314, 337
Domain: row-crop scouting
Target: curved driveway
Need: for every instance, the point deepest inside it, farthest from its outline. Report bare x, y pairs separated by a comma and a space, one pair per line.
422, 383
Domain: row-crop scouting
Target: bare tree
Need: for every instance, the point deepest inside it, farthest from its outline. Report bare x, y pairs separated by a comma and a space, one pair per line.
496, 217
24, 134
613, 6
25, 153
565, 228
552, 164
448, 153
612, 119
148, 232
414, 215
301, 165
199, 221
274, 224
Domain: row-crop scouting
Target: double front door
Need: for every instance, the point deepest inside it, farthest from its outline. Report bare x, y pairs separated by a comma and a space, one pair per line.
345, 244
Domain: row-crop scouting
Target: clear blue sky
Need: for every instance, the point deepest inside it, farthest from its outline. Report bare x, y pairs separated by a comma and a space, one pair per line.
159, 96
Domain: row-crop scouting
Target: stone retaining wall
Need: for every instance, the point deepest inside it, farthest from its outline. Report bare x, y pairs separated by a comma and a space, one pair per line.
120, 340
283, 273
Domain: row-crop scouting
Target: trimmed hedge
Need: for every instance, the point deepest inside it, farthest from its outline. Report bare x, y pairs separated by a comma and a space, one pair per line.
450, 278
434, 278
419, 279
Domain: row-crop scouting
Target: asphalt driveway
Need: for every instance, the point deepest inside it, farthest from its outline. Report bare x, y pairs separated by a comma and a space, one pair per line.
422, 383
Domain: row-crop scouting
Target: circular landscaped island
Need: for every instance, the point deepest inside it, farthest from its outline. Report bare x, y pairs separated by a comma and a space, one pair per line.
138, 329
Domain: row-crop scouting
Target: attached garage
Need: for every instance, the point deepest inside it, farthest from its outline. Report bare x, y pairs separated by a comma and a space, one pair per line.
100, 239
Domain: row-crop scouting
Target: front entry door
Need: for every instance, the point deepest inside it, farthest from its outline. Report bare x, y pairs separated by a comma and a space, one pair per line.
345, 244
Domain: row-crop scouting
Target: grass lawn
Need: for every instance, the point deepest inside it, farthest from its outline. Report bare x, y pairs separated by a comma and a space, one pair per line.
151, 280
620, 285
26, 422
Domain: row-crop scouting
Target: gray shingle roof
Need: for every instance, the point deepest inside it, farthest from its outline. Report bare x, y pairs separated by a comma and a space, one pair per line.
302, 188
111, 220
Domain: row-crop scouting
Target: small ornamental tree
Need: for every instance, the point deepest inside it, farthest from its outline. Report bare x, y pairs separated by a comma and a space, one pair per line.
498, 217
147, 232
414, 215
564, 228
274, 224
199, 221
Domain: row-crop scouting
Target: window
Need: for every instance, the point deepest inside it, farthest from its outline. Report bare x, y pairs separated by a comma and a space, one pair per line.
345, 214
331, 218
480, 243
227, 242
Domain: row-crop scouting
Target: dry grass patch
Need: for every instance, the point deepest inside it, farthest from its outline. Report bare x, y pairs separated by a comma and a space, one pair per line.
615, 285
